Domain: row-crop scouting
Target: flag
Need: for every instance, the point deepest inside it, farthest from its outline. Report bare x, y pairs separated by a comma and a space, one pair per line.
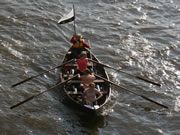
67, 18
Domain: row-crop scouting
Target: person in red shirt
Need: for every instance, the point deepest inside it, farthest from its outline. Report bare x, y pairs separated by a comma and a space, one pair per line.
82, 63
78, 45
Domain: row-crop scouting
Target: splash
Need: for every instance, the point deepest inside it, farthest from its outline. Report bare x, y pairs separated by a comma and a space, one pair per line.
177, 104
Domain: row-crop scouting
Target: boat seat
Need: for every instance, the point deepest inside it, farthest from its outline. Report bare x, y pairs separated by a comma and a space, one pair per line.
75, 64
80, 93
104, 92
79, 81
74, 93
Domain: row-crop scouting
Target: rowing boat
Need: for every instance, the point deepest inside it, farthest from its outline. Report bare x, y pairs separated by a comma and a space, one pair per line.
71, 83
72, 90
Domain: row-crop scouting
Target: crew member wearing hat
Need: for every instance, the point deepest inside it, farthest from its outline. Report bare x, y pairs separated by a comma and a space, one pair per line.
78, 45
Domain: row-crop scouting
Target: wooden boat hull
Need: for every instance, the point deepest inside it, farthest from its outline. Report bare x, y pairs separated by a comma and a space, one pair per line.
71, 88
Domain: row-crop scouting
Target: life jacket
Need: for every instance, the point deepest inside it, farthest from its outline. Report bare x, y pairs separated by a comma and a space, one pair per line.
78, 44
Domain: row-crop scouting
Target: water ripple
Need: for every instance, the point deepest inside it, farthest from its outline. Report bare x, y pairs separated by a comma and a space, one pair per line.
139, 37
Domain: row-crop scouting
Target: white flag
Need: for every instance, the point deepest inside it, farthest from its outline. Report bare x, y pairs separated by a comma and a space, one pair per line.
67, 18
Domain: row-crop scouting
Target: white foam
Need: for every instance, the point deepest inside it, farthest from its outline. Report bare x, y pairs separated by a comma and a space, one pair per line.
177, 104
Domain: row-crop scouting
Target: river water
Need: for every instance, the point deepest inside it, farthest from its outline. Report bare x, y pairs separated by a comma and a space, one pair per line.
138, 36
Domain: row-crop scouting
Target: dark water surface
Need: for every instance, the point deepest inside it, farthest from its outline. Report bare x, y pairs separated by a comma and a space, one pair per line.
141, 37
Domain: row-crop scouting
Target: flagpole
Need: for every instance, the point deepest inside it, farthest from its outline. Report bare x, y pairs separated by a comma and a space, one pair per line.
74, 21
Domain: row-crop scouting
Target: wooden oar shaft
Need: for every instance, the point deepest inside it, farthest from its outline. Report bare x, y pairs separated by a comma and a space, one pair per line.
132, 92
146, 80
28, 99
40, 74
154, 101
22, 81
22, 102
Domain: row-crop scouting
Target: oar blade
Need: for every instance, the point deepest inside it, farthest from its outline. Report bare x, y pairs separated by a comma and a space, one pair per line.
26, 100
22, 102
21, 82
41, 73
146, 80
164, 106
149, 81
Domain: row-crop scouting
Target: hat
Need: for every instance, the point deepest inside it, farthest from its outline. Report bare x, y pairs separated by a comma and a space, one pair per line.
79, 35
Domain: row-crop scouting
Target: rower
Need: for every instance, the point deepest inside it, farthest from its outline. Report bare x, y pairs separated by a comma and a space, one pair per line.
90, 94
86, 78
82, 63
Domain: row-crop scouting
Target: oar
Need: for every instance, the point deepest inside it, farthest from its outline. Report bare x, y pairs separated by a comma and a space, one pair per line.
146, 80
164, 106
28, 99
41, 73
90, 53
